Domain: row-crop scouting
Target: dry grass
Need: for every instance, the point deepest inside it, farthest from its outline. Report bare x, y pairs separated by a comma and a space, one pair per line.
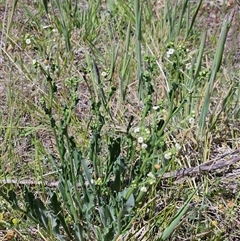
26, 137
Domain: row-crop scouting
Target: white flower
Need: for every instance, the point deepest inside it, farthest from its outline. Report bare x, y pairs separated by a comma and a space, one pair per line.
140, 140
137, 130
34, 62
143, 189
168, 155
150, 175
28, 41
170, 52
46, 26
152, 178
177, 146
191, 120
104, 74
144, 146
188, 66
156, 107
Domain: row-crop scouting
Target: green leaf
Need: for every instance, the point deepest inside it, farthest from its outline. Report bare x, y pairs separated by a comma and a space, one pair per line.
130, 203
45, 5
177, 218
12, 198
114, 149
78, 231
55, 206
86, 170
119, 170
41, 213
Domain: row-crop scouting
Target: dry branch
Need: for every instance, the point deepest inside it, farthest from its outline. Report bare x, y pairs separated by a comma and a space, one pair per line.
221, 162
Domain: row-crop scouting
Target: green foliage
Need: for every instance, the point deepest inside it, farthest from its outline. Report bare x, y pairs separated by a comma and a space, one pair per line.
149, 89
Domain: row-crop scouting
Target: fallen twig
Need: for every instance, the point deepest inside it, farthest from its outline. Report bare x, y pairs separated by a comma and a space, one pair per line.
210, 166
221, 162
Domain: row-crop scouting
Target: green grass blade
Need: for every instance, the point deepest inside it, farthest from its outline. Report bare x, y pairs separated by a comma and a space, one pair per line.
200, 56
181, 18
45, 4
10, 17
137, 11
189, 29
214, 70
125, 65
177, 219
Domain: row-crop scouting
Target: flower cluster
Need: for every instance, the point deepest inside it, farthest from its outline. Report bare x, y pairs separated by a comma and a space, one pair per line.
151, 178
170, 52
177, 56
142, 135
